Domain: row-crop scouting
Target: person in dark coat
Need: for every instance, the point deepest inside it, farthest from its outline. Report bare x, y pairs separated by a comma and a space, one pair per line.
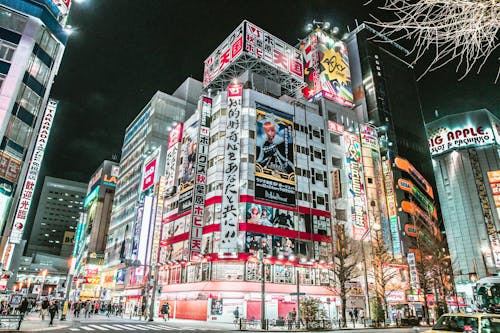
23, 308
53, 310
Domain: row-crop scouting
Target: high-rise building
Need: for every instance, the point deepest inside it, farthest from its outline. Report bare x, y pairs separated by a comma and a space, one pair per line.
92, 231
465, 156
32, 42
144, 137
59, 208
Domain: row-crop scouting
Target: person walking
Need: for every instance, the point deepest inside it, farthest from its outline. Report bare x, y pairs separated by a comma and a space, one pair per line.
44, 307
291, 318
88, 309
53, 310
23, 308
165, 309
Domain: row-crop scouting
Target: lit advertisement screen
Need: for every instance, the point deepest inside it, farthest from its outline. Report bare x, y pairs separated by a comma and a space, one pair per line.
459, 131
357, 193
274, 162
326, 69
187, 167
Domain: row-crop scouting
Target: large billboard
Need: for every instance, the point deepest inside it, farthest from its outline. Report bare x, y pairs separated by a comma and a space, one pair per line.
200, 182
253, 41
25, 200
326, 68
459, 131
408, 186
187, 167
274, 160
407, 167
231, 185
357, 190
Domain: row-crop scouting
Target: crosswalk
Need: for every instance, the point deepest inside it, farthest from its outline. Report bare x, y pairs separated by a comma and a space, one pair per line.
135, 327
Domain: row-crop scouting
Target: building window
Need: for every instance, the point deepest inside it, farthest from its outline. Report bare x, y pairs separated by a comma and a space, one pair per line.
38, 70
7, 50
18, 131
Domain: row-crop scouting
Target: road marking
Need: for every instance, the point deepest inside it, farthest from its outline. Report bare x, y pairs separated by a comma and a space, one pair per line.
74, 329
123, 327
87, 328
108, 326
148, 327
99, 327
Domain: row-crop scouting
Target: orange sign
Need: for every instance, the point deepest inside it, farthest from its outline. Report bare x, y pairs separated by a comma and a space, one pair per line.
407, 167
412, 209
411, 230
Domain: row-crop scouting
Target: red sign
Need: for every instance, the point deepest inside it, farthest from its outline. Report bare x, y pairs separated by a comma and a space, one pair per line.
334, 127
175, 135
149, 175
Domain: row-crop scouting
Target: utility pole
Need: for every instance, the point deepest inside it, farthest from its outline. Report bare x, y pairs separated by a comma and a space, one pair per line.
298, 298
262, 290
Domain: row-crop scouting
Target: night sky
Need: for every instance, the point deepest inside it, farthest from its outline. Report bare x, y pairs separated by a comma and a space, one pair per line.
123, 51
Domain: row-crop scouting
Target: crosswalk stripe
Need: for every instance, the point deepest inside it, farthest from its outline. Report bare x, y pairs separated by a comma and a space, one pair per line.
131, 326
108, 326
99, 327
122, 327
87, 328
74, 329
147, 327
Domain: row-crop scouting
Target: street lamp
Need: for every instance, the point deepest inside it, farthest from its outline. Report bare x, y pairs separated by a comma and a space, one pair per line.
44, 274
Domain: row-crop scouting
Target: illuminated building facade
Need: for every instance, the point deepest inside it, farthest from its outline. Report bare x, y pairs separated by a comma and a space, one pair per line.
92, 231
466, 162
56, 219
32, 42
143, 137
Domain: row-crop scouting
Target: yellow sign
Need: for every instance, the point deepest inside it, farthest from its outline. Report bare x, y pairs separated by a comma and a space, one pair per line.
69, 238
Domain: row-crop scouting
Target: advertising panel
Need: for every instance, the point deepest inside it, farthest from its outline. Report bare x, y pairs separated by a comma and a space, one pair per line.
158, 222
223, 55
251, 40
408, 186
414, 283
369, 137
270, 217
25, 200
231, 167
273, 51
9, 167
404, 165
459, 131
335, 127
356, 193
413, 209
200, 182
494, 180
274, 160
187, 167
392, 209
148, 178
69, 238
326, 68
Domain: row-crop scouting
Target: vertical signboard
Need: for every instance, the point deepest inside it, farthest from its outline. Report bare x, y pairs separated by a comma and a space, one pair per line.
392, 209
231, 186
32, 174
187, 167
200, 182
274, 160
413, 272
326, 68
149, 175
357, 191
158, 220
171, 167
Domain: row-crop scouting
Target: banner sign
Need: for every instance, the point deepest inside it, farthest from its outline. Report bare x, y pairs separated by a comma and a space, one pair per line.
200, 182
335, 128
369, 137
274, 160
413, 209
357, 190
392, 209
326, 69
32, 174
413, 272
231, 186
404, 165
149, 175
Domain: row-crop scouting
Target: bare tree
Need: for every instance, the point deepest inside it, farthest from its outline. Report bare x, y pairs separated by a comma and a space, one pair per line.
345, 259
383, 273
463, 30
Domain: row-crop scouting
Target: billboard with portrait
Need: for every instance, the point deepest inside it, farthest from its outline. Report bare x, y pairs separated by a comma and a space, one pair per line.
255, 242
270, 217
326, 68
274, 160
187, 167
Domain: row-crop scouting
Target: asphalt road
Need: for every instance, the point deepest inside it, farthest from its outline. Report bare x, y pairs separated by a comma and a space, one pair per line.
120, 326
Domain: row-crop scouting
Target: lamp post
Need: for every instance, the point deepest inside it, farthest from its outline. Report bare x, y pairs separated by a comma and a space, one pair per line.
44, 274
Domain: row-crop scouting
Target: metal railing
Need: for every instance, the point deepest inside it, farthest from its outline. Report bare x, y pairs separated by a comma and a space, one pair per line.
10, 322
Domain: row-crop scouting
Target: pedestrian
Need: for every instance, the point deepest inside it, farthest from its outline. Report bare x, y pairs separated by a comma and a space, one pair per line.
355, 314
96, 307
291, 318
164, 311
53, 310
362, 316
88, 309
44, 307
23, 308
76, 309
109, 309
135, 309
143, 311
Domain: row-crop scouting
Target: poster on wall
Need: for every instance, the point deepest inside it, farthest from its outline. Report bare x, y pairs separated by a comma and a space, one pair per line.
326, 69
255, 242
187, 167
216, 307
274, 158
357, 190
